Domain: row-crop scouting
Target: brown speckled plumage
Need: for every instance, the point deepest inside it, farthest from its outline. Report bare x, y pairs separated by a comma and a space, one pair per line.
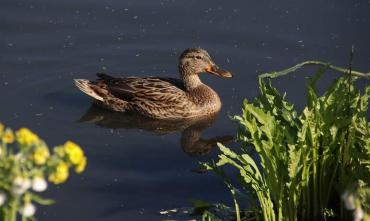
162, 98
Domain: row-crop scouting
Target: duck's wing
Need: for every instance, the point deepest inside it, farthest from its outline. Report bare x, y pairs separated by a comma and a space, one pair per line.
167, 91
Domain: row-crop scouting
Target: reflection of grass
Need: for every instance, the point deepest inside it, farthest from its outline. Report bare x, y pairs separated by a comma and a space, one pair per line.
24, 162
309, 160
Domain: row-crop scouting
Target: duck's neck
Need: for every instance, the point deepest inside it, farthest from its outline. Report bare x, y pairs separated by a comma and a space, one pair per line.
190, 80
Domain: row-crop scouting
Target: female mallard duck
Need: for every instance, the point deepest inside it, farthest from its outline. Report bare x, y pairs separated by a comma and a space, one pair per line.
157, 97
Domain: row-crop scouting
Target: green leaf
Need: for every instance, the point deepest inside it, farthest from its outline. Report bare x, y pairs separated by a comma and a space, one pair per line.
294, 164
40, 200
304, 159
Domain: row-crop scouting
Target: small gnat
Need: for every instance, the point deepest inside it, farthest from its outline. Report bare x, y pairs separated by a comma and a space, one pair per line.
28, 210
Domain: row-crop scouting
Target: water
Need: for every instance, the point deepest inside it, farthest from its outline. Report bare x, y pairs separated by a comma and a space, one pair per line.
133, 173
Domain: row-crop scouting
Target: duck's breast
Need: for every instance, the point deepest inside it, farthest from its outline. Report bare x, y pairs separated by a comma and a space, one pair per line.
206, 100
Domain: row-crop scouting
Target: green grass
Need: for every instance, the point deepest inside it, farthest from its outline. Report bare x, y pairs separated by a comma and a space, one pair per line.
308, 159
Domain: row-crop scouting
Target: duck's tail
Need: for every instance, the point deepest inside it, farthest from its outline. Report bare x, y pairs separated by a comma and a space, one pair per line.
86, 87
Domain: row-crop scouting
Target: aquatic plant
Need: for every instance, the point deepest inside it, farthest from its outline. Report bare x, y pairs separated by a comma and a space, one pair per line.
307, 161
25, 164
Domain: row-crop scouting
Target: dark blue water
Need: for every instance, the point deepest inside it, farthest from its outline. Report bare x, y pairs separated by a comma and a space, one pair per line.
133, 173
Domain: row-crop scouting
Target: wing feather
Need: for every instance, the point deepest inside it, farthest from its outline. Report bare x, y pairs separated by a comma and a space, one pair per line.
161, 91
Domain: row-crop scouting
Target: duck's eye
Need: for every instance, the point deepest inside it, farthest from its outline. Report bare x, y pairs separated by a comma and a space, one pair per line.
198, 57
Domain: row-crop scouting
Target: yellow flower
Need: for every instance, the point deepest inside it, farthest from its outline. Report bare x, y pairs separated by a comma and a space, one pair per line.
8, 136
60, 174
74, 152
40, 155
26, 137
81, 165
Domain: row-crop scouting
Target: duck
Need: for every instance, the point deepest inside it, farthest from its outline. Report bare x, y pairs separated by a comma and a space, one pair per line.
161, 97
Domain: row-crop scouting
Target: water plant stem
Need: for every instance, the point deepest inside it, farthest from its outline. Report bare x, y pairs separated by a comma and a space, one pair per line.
300, 65
12, 211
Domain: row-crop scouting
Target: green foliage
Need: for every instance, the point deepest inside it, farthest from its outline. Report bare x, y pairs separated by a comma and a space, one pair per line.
26, 164
306, 161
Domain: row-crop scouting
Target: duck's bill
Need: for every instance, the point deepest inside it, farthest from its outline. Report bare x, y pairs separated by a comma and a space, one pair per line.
219, 72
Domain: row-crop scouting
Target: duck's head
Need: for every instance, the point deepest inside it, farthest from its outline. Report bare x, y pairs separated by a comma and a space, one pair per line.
194, 61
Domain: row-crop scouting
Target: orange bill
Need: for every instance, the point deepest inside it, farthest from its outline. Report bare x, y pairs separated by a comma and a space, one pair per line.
213, 69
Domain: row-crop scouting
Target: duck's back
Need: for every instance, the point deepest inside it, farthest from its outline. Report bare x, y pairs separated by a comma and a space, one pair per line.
151, 96
158, 97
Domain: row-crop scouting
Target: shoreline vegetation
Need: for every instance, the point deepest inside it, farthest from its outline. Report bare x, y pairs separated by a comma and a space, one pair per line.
313, 165
26, 163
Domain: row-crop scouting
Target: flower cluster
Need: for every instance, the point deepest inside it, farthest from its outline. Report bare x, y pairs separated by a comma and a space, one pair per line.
25, 163
66, 156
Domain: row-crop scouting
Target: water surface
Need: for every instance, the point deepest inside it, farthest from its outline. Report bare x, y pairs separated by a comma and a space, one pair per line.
133, 173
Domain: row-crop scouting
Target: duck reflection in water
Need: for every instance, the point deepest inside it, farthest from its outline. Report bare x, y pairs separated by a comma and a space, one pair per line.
191, 129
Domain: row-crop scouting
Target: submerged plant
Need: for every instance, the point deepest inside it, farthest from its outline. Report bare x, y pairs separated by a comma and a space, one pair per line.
25, 164
307, 160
